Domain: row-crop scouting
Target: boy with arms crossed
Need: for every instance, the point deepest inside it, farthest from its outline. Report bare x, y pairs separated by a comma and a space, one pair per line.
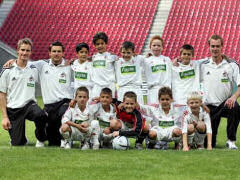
157, 69
196, 124
17, 97
76, 123
129, 72
165, 116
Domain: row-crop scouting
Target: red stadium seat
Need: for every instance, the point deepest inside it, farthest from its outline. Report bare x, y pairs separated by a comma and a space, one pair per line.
193, 21
73, 21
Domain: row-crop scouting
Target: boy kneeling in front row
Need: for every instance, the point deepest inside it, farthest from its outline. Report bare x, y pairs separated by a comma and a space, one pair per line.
77, 124
130, 122
196, 124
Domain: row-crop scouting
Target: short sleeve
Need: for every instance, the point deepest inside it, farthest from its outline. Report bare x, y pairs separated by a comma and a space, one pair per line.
4, 80
67, 116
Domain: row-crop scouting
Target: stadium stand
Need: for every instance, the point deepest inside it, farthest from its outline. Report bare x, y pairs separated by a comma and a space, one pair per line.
194, 21
73, 21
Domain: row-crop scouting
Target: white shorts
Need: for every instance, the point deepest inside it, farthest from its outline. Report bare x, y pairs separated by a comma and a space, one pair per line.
137, 90
198, 139
152, 97
77, 135
96, 90
164, 134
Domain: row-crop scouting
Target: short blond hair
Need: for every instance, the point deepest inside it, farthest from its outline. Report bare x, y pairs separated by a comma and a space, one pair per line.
25, 41
194, 95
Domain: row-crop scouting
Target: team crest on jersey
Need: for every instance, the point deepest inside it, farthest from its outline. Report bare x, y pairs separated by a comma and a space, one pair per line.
225, 77
225, 74
46, 72
208, 73
31, 82
31, 79
62, 79
77, 115
63, 75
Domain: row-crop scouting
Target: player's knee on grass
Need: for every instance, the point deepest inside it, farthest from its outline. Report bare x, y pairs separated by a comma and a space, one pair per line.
190, 129
201, 127
177, 132
152, 134
107, 130
115, 124
146, 128
65, 128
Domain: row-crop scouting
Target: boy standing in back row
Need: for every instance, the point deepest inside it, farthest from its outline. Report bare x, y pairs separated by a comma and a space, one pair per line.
103, 73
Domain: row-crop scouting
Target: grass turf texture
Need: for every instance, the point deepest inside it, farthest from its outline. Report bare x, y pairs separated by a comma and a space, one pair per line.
54, 163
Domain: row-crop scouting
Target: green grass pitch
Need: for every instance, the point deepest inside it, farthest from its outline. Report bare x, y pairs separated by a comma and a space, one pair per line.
54, 163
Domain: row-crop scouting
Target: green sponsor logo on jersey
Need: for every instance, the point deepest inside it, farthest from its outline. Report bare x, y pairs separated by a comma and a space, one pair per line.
165, 124
128, 69
159, 68
30, 85
78, 121
187, 74
224, 80
62, 81
80, 75
99, 64
103, 123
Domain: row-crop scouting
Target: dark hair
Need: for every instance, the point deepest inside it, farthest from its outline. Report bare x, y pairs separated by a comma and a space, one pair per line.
128, 45
57, 43
82, 45
82, 88
106, 91
165, 91
131, 95
100, 35
187, 47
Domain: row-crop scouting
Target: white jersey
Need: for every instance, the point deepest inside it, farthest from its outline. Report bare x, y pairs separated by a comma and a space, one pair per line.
103, 73
188, 118
159, 117
19, 85
76, 115
218, 80
185, 79
55, 81
82, 74
158, 71
98, 113
129, 73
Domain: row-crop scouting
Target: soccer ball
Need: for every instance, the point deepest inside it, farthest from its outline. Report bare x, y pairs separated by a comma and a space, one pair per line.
120, 143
